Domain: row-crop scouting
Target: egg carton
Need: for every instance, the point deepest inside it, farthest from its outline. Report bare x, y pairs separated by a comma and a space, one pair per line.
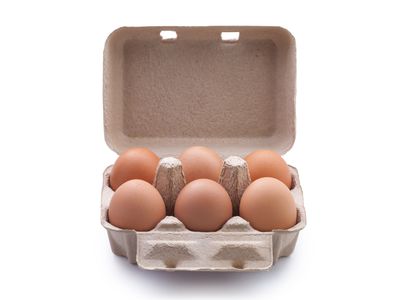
171, 246
200, 87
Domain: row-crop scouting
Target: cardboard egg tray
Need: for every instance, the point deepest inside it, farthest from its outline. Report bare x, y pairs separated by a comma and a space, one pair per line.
170, 246
230, 88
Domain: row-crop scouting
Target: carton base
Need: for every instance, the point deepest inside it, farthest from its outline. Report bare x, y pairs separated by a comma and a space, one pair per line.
172, 247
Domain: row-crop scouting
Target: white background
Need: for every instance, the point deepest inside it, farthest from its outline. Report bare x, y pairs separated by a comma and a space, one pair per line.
53, 153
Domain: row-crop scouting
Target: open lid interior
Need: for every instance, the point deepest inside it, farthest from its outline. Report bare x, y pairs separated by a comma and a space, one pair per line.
228, 88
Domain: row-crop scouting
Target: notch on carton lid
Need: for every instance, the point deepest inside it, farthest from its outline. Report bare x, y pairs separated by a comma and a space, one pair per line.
229, 88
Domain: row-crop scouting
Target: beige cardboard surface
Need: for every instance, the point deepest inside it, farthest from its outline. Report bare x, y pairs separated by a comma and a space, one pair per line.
200, 90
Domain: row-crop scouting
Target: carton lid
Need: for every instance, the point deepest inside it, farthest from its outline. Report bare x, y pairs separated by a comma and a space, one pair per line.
229, 88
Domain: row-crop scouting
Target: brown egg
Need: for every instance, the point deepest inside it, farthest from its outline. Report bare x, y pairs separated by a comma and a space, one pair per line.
268, 204
267, 163
134, 163
137, 205
203, 205
201, 162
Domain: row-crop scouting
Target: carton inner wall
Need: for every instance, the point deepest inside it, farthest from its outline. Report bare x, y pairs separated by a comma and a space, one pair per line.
198, 89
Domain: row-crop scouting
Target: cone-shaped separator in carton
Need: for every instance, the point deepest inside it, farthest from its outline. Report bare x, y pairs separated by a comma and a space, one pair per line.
235, 178
169, 181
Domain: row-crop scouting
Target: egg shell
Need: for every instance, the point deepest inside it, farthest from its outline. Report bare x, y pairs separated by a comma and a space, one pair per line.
137, 205
268, 163
134, 163
201, 162
268, 204
203, 205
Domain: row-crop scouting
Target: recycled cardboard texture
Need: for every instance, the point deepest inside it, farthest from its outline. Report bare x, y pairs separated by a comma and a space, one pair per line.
197, 89
232, 96
235, 247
